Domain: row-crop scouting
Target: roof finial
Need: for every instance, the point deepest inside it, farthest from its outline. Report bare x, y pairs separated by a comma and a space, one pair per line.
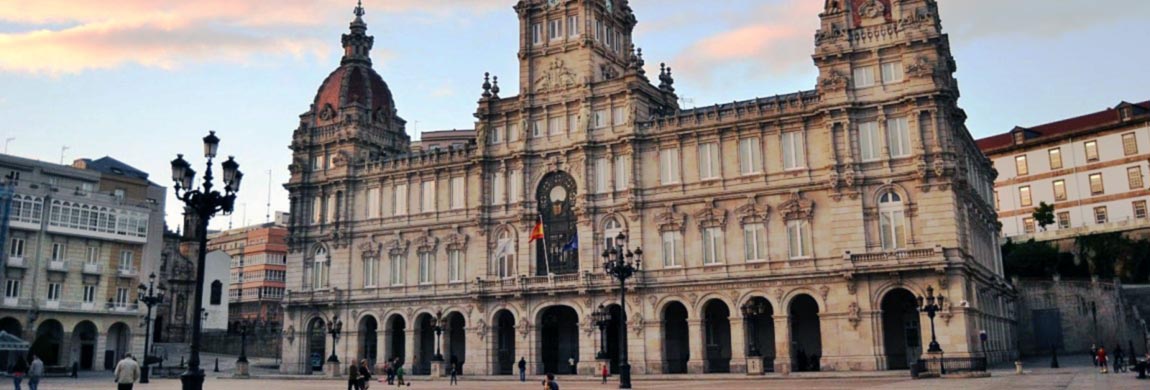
359, 12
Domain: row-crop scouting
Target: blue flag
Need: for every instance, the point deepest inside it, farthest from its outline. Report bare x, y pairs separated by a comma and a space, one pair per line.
572, 245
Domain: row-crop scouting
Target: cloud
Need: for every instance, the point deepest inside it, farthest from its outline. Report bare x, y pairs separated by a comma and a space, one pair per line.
69, 36
1035, 18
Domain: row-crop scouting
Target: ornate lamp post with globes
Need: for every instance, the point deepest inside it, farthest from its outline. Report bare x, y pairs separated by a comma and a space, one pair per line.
621, 263
149, 297
931, 305
602, 317
203, 203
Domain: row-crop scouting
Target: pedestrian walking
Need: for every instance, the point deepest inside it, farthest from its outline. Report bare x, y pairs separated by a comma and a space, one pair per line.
35, 373
389, 371
18, 370
522, 370
364, 375
353, 376
603, 369
399, 375
1102, 360
1094, 354
455, 374
550, 383
127, 372
1118, 358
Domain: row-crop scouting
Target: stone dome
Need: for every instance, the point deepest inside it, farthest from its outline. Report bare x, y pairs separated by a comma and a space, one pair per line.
353, 84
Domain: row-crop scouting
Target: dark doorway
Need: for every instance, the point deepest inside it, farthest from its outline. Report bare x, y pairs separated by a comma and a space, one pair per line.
900, 323
118, 344
760, 329
49, 340
84, 335
316, 345
397, 344
556, 200
158, 329
504, 343
717, 336
612, 330
559, 339
456, 343
806, 335
676, 339
368, 339
424, 344
11, 326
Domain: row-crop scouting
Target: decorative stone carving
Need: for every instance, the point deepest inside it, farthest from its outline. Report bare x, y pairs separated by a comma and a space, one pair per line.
871, 9
481, 329
711, 217
920, 68
824, 291
456, 241
327, 113
589, 328
341, 159
945, 312
921, 170
608, 72
397, 246
751, 212
426, 242
637, 323
556, 76
524, 328
779, 295
797, 208
669, 220
854, 315
835, 81
834, 180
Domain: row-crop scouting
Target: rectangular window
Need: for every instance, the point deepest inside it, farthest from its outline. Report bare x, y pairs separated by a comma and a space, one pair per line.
1055, 158
1028, 225
555, 126
54, 292
1100, 215
891, 72
708, 161
1063, 219
17, 249
555, 30
57, 251
672, 241
400, 199
89, 293
1139, 209
869, 139
669, 166
622, 165
515, 189
126, 260
1091, 151
499, 186
513, 132
425, 262
12, 288
427, 192
864, 77
370, 271
373, 204
537, 128
750, 156
1060, 190
799, 239
598, 30
121, 297
573, 123
601, 171
1024, 198
1134, 176
457, 193
600, 119
754, 242
496, 136
618, 116
93, 254
398, 269
572, 26
794, 155
455, 265
1096, 187
1020, 165
536, 34
898, 137
1129, 144
712, 246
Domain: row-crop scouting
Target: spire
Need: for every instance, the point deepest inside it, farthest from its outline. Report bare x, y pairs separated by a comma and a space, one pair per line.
357, 45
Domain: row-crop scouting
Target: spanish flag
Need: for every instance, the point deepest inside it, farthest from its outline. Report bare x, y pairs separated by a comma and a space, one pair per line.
537, 232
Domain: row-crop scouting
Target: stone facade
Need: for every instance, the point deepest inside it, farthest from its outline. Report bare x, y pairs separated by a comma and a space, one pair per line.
821, 214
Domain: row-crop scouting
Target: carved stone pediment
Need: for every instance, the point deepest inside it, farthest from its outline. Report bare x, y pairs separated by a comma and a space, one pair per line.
711, 217
397, 246
426, 243
835, 81
371, 248
456, 241
751, 212
797, 208
669, 220
920, 68
557, 76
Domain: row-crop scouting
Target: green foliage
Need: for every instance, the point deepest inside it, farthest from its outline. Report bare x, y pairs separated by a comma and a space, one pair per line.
1030, 259
1044, 215
1106, 255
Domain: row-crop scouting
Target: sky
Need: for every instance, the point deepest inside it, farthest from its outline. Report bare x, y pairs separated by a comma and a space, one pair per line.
143, 80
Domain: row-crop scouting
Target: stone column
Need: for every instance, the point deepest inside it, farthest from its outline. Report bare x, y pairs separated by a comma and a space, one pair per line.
588, 346
380, 349
782, 344
409, 349
695, 335
738, 345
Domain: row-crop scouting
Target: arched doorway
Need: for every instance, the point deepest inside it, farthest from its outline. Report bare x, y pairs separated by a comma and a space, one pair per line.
806, 335
11, 326
455, 347
758, 315
119, 342
424, 344
676, 339
556, 199
558, 339
505, 358
84, 341
368, 335
716, 336
612, 330
49, 341
902, 340
316, 344
397, 339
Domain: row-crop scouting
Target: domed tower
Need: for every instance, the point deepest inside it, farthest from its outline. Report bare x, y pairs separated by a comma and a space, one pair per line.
352, 120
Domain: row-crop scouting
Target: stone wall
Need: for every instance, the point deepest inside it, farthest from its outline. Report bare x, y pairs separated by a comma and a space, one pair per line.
262, 345
1090, 312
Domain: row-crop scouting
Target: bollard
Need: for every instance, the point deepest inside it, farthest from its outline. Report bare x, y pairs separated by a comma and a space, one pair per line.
1018, 367
1053, 357
217, 365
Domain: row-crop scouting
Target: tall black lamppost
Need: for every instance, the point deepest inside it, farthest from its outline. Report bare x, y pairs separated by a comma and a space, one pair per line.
751, 310
245, 326
601, 316
438, 328
149, 297
203, 203
334, 328
620, 266
931, 305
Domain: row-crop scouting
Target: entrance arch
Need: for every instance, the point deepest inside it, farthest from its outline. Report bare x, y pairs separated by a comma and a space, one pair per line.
676, 339
424, 344
316, 344
455, 346
49, 342
119, 342
556, 199
397, 339
806, 334
758, 315
902, 340
504, 340
716, 336
84, 339
613, 343
368, 337
558, 339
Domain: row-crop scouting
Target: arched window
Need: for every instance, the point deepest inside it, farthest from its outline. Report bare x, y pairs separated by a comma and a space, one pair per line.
611, 229
892, 221
217, 292
504, 266
320, 269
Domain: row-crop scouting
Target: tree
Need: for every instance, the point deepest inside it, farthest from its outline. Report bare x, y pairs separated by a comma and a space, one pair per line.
1044, 215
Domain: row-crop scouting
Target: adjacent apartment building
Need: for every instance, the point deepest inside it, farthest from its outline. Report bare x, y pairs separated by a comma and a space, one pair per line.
1092, 168
78, 241
258, 269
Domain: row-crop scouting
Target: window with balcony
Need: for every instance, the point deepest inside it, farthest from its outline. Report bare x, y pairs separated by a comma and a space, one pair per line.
1024, 198
58, 251
320, 269
713, 246
1060, 190
89, 293
126, 261
1096, 187
1020, 165
672, 247
54, 292
1091, 151
1100, 216
12, 288
1063, 219
892, 221
504, 255
750, 156
17, 248
708, 161
1134, 176
121, 297
1129, 144
1139, 209
1055, 158
754, 242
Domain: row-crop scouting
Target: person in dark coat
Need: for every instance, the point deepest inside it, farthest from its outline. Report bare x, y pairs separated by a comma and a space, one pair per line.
522, 369
364, 375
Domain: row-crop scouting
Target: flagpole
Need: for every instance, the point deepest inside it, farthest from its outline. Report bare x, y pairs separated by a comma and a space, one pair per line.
546, 260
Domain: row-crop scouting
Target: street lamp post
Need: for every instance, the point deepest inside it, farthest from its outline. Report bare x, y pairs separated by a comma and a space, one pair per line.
334, 328
203, 203
438, 328
931, 305
244, 326
750, 310
601, 317
149, 297
620, 266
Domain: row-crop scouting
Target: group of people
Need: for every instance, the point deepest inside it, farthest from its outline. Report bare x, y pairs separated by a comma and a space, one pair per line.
1101, 358
358, 375
21, 368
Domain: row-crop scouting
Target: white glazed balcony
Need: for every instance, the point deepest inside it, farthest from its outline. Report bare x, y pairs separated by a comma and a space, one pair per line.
58, 265
92, 269
14, 261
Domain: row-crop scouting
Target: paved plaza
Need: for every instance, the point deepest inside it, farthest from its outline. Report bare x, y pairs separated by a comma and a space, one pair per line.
1076, 376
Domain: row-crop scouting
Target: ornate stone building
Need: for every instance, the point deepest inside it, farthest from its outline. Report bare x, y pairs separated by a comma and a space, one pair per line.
796, 229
